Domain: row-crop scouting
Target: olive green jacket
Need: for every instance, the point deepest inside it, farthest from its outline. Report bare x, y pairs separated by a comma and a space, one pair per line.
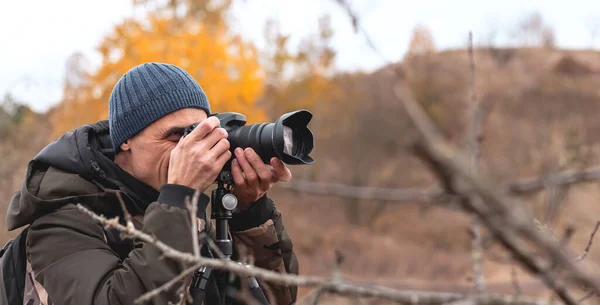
75, 260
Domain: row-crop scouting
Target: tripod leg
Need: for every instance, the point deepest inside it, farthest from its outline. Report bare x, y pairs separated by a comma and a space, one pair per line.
199, 284
256, 291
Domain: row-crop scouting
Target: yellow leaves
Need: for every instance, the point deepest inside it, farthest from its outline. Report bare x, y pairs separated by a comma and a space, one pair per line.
225, 66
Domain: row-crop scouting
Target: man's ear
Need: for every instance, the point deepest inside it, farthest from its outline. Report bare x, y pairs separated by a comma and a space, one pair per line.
125, 146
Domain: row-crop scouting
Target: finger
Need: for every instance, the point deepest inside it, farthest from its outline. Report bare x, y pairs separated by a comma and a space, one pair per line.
274, 178
203, 129
259, 166
219, 148
249, 172
223, 158
281, 171
236, 172
213, 138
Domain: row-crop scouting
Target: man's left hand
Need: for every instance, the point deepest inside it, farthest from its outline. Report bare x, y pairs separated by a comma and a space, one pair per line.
253, 178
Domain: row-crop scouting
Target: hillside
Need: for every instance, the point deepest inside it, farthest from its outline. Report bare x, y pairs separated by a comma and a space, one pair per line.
539, 112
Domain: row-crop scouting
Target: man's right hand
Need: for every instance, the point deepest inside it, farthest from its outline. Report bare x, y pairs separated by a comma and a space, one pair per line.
199, 157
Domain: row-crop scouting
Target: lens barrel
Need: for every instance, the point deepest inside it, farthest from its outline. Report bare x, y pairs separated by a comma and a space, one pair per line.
270, 140
288, 138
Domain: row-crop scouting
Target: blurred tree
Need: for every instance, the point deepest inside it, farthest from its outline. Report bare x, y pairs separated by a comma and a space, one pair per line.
211, 13
421, 41
300, 78
11, 110
532, 30
15, 116
224, 65
306, 69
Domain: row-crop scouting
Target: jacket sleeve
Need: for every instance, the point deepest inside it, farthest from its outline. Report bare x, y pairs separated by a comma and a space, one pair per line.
72, 261
259, 233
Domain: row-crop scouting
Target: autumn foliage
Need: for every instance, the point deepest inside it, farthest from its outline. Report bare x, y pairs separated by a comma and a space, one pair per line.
224, 65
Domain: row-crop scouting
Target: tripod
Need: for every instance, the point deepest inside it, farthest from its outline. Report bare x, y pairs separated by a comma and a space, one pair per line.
223, 202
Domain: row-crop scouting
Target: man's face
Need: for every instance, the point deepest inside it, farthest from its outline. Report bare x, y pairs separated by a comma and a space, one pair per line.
146, 155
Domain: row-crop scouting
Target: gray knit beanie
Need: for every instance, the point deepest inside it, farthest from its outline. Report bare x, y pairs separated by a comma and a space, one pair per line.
148, 92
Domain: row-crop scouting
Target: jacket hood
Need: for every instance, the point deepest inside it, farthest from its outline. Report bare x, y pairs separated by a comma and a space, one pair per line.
78, 167
76, 151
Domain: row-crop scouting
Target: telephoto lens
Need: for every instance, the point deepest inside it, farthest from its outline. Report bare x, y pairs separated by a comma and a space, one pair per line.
288, 138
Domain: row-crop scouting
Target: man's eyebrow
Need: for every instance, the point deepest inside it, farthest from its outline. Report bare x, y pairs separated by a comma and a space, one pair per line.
174, 129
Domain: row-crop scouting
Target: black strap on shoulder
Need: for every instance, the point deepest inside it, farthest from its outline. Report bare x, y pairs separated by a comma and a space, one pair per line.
14, 267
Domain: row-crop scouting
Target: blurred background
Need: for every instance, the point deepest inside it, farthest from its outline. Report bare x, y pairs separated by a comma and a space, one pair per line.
537, 79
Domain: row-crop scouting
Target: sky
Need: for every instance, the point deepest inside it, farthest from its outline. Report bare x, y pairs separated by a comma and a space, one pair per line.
37, 36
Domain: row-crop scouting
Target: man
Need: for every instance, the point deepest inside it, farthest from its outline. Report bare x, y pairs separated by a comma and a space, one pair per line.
140, 152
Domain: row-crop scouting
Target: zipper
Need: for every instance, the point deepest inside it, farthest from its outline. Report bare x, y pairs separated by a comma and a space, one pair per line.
98, 172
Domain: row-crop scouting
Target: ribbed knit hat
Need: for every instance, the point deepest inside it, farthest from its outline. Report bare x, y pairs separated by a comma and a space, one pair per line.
148, 92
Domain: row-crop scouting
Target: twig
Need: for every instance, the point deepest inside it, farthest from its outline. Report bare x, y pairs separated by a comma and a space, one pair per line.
126, 214
317, 297
214, 247
477, 255
357, 27
365, 192
186, 295
149, 295
308, 297
515, 280
193, 208
476, 248
523, 186
589, 245
338, 287
567, 177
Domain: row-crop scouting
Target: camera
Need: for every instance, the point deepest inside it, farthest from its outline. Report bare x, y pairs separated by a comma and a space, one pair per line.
288, 138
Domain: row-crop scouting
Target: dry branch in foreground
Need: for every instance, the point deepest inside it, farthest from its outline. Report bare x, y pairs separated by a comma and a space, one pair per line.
504, 217
331, 286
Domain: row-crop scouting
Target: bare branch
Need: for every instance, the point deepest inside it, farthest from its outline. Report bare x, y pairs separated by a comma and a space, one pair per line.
518, 187
193, 208
317, 297
357, 27
186, 295
338, 287
149, 295
515, 280
589, 245
505, 219
214, 247
567, 177
364, 192
477, 255
126, 214
476, 248
308, 297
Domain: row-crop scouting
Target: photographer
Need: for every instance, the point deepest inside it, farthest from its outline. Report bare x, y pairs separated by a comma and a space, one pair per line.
140, 152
